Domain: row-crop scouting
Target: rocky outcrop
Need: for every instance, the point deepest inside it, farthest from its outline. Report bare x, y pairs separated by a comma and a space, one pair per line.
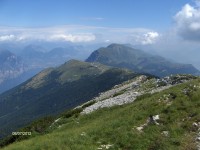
127, 92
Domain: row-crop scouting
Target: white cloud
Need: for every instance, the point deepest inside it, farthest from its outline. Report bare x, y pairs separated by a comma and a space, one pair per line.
145, 38
63, 33
78, 33
188, 22
107, 41
7, 37
150, 38
73, 38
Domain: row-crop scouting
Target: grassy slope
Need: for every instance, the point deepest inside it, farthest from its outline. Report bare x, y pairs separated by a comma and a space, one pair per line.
55, 90
116, 125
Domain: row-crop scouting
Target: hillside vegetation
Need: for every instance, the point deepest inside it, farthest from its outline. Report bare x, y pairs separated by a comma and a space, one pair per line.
175, 125
55, 90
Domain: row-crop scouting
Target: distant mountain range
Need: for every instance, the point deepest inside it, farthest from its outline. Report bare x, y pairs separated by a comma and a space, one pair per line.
17, 67
37, 56
124, 56
13, 70
56, 89
11, 67
33, 58
10, 64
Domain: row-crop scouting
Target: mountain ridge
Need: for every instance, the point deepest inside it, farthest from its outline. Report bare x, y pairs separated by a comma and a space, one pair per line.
55, 90
123, 56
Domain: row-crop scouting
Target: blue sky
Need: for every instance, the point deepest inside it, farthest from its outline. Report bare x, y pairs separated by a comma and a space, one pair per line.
154, 14
170, 28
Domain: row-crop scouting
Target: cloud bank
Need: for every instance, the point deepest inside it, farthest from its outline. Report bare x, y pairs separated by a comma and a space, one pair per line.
79, 34
73, 38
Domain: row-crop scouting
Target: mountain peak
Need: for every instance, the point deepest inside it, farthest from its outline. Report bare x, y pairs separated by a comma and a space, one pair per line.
8, 57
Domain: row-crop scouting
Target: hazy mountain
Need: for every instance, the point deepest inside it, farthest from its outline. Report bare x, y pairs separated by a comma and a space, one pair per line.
33, 55
124, 56
32, 58
60, 55
11, 67
39, 57
56, 89
13, 82
32, 52
10, 61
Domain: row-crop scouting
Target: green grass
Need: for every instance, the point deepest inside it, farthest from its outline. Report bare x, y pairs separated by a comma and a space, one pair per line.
117, 125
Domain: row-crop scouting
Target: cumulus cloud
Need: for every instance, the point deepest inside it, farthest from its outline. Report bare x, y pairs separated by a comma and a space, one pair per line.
150, 38
145, 38
188, 22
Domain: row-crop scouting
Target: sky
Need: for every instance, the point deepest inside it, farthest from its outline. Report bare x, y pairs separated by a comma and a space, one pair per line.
167, 27
109, 13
